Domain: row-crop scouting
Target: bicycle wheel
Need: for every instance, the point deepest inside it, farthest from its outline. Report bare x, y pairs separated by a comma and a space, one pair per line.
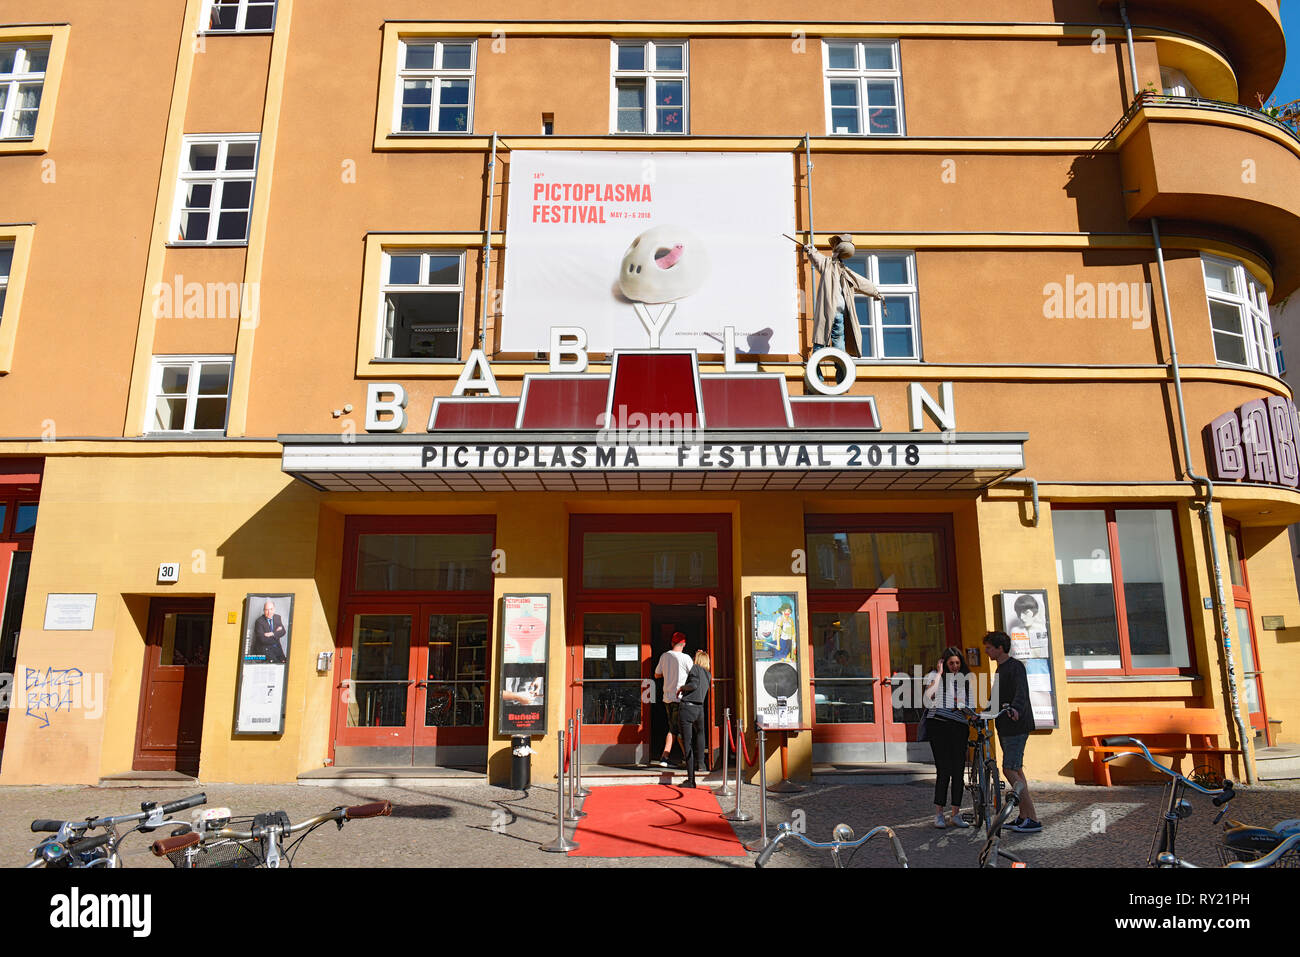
993, 797
979, 796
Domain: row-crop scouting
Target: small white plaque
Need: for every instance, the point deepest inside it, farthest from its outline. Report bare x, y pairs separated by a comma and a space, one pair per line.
68, 612
169, 573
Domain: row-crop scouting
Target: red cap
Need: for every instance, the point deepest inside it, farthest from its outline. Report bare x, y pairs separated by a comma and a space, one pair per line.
678, 638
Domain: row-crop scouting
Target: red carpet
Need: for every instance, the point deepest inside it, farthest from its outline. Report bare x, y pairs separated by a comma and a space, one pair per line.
654, 820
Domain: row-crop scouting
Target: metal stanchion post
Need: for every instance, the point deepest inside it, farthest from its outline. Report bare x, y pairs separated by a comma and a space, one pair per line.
760, 842
725, 790
577, 752
574, 814
561, 844
738, 815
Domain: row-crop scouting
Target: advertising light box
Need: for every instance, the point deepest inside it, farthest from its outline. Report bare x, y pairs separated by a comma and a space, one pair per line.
627, 245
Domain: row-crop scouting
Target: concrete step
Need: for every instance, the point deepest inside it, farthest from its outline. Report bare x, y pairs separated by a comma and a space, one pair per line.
903, 772
393, 777
1278, 763
595, 775
149, 779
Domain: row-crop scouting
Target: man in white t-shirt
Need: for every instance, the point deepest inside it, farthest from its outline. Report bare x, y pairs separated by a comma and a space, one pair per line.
673, 667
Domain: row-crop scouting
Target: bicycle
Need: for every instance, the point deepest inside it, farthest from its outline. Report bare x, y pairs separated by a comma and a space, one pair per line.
991, 851
257, 841
984, 780
71, 846
842, 839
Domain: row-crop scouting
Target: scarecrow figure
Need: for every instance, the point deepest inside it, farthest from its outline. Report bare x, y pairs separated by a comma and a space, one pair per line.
834, 299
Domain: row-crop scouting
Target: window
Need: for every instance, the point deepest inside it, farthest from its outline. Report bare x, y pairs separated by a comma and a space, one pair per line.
22, 79
214, 200
6, 265
894, 332
189, 394
1239, 319
436, 80
649, 88
1175, 83
1121, 590
423, 294
864, 88
240, 16
1279, 357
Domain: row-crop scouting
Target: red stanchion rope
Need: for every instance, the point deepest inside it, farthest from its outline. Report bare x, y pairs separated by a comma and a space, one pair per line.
742, 750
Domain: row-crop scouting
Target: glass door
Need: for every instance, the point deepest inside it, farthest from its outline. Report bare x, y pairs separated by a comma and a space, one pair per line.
911, 640
610, 673
451, 688
1251, 678
378, 664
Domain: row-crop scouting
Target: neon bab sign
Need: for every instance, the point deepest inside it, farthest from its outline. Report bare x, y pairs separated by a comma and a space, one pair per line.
1257, 442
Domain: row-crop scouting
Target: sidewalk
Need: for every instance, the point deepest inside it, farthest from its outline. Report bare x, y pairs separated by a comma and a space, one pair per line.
482, 826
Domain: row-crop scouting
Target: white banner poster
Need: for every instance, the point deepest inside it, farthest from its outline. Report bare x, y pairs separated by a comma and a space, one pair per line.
615, 243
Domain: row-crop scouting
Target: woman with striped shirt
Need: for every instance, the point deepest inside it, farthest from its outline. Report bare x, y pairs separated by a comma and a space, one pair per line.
946, 686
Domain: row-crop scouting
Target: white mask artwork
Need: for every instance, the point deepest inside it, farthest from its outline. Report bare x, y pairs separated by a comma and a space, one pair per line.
663, 264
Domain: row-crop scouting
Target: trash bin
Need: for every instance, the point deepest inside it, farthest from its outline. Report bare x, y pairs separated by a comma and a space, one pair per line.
521, 762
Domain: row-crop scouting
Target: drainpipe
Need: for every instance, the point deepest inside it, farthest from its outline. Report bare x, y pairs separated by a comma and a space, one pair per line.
1032, 485
1197, 481
487, 242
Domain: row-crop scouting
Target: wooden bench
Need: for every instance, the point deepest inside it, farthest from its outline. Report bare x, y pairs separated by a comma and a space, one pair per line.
1164, 729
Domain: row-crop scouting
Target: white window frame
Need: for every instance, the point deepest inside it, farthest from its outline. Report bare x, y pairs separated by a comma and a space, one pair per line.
241, 16
437, 75
861, 75
5, 269
1251, 302
191, 394
12, 83
651, 76
217, 178
873, 328
383, 336
1174, 82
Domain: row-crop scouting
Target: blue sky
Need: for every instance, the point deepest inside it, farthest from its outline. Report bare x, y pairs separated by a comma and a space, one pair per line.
1289, 87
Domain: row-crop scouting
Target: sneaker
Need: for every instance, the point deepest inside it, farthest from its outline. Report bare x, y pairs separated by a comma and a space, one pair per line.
958, 821
662, 762
939, 822
1026, 825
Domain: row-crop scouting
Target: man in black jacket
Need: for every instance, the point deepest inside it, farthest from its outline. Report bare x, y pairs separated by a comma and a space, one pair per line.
1011, 687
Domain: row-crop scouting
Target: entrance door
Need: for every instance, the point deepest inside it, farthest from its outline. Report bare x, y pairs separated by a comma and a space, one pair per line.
1252, 678
415, 686
174, 684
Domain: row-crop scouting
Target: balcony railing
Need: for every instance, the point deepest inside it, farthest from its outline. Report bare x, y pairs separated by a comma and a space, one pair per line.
1149, 98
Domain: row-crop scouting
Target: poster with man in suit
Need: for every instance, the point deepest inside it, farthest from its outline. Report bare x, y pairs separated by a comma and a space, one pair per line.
264, 664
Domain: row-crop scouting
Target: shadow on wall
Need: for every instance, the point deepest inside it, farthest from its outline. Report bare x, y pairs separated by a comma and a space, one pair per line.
279, 541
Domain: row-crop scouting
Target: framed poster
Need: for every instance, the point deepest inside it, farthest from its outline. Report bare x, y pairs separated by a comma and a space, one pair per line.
1024, 618
263, 685
525, 643
775, 637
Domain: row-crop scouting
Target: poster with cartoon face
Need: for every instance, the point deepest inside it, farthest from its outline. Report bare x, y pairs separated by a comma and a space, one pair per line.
1024, 618
776, 659
525, 630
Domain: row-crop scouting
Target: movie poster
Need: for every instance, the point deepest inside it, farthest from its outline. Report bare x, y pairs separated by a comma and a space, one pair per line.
1024, 614
776, 659
264, 664
525, 633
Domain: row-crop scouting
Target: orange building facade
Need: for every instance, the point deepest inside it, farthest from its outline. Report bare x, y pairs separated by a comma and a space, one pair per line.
286, 432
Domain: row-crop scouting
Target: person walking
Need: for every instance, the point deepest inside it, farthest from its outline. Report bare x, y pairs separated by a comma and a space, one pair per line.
948, 731
694, 693
672, 667
1011, 687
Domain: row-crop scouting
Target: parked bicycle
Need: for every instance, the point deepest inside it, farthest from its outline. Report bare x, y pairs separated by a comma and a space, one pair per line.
1242, 846
992, 850
983, 779
72, 844
216, 839
842, 841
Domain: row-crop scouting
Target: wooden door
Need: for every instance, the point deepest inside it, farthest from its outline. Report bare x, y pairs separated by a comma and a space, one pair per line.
173, 686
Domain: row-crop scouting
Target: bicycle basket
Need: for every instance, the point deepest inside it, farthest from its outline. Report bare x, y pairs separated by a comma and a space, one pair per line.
223, 853
1231, 855
1206, 776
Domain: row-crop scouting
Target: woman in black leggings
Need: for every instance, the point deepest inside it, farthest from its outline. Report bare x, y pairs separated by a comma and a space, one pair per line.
948, 731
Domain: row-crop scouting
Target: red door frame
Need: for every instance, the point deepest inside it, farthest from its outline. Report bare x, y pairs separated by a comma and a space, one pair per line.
1241, 599
594, 733
20, 484
582, 600
878, 603
159, 759
394, 602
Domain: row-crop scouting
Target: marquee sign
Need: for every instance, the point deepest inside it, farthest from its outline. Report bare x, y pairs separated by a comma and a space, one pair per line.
1257, 442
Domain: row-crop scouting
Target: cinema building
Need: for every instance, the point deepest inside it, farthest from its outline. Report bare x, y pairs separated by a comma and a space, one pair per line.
381, 379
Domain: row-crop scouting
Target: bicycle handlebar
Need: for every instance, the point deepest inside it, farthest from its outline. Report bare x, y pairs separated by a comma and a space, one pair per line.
42, 825
1271, 858
784, 831
194, 800
356, 812
374, 809
1226, 792
168, 845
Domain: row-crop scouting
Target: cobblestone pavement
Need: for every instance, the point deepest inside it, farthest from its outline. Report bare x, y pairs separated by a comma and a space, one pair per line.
482, 826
